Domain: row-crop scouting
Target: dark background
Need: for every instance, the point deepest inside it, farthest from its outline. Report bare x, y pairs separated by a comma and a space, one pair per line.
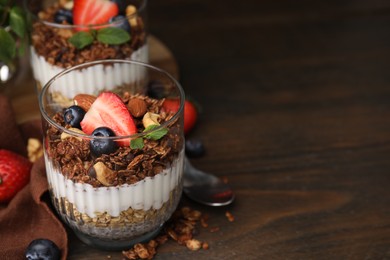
295, 99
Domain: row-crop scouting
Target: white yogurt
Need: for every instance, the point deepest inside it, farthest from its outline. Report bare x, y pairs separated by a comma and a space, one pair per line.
149, 193
93, 81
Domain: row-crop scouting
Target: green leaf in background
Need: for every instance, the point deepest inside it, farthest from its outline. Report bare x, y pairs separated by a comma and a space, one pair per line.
155, 135
23, 44
4, 10
112, 35
7, 46
17, 22
81, 39
137, 143
4, 2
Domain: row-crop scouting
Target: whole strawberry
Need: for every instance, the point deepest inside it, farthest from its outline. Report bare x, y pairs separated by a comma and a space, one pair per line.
190, 112
14, 174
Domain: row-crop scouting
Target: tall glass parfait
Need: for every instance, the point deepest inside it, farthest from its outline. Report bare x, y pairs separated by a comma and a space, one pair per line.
65, 33
114, 156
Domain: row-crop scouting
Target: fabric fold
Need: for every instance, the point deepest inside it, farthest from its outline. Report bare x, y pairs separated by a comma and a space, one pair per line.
28, 215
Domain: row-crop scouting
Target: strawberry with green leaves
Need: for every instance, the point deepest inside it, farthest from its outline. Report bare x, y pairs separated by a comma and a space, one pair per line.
14, 174
89, 14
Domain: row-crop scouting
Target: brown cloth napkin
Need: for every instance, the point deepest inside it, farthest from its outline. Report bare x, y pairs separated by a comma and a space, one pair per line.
28, 215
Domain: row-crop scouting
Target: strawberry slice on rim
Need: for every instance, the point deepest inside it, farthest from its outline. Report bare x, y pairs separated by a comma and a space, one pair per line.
108, 110
93, 12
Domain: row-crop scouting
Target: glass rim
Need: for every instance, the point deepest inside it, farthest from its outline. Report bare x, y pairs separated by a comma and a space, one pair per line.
112, 61
82, 27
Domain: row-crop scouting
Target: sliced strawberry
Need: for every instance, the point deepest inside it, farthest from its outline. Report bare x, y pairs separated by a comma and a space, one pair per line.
190, 112
93, 12
108, 110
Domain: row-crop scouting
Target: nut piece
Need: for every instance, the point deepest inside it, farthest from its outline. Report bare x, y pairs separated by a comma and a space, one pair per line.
34, 149
137, 107
193, 244
131, 10
229, 216
141, 251
66, 33
61, 99
84, 101
68, 4
65, 135
150, 119
104, 174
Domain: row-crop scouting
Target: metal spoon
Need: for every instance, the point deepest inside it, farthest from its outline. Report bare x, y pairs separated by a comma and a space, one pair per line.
205, 188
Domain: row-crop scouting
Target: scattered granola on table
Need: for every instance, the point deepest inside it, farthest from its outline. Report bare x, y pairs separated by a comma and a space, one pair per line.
229, 216
180, 228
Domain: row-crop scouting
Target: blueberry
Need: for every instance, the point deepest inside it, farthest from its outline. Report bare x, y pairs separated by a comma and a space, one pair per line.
121, 21
103, 146
121, 5
42, 249
194, 148
156, 89
73, 115
63, 15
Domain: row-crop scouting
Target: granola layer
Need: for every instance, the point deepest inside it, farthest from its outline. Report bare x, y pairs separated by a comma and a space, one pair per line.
145, 194
129, 224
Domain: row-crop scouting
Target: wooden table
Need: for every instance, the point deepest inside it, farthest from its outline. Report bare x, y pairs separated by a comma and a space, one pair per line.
295, 100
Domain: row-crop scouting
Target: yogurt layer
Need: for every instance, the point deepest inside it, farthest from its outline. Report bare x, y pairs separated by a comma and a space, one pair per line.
149, 193
92, 79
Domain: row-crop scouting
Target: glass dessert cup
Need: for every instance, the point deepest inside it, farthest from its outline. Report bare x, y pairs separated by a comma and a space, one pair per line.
112, 200
52, 48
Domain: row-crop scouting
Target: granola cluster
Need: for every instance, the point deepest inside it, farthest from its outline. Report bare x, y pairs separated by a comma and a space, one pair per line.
52, 43
72, 155
181, 228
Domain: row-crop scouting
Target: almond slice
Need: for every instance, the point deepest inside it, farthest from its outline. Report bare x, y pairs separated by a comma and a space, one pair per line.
84, 101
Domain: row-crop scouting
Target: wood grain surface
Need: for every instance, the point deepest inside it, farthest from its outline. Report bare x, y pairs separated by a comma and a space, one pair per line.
295, 99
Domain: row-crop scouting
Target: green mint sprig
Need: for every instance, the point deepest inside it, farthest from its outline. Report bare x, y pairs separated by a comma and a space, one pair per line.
13, 36
138, 143
108, 35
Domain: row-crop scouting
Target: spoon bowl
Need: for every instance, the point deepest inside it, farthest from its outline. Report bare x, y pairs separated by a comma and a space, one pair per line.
205, 188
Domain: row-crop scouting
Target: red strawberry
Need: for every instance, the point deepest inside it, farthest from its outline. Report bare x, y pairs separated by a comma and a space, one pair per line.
92, 12
190, 113
109, 110
14, 174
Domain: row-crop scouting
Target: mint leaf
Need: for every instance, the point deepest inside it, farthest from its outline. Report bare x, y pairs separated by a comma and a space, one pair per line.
81, 39
7, 46
155, 135
137, 143
113, 35
17, 22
